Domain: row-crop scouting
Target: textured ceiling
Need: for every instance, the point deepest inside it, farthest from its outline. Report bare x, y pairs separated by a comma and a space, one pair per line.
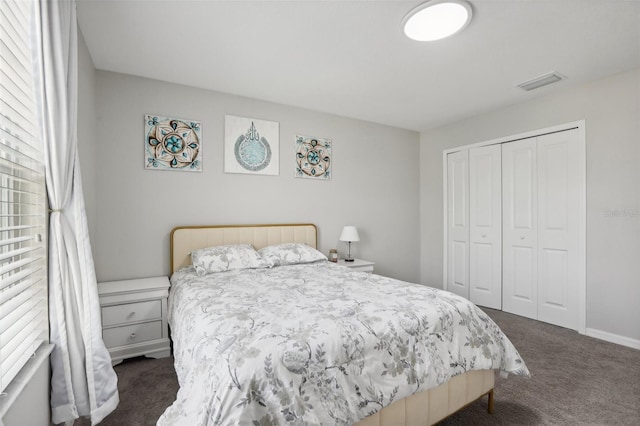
351, 57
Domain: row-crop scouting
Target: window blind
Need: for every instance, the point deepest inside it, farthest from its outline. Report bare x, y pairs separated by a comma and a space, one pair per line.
23, 214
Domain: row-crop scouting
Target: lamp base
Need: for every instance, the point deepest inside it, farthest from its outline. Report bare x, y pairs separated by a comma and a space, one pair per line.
349, 260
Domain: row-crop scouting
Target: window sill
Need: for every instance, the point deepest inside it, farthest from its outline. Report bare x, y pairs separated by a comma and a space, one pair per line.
18, 384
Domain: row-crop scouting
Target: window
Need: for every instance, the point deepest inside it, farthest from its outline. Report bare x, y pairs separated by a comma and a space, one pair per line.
23, 214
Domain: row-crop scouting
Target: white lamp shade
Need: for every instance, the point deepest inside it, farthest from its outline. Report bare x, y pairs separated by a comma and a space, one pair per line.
349, 233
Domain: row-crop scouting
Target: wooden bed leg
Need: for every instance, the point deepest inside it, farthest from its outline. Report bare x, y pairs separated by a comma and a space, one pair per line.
490, 406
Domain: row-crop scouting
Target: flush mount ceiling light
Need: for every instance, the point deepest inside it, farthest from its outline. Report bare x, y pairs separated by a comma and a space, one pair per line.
437, 19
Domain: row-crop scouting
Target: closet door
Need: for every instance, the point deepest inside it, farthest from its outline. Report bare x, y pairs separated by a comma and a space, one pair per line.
458, 223
485, 226
520, 233
559, 184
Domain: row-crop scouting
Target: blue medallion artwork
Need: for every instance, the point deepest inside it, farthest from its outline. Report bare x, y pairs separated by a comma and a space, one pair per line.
252, 152
251, 145
313, 158
172, 144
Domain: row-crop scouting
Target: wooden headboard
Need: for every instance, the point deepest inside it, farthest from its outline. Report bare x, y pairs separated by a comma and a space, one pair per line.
185, 239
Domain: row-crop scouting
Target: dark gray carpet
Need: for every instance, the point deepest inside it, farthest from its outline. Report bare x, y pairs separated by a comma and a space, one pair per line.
576, 380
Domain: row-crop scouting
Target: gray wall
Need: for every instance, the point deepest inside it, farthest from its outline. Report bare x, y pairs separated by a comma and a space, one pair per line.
87, 130
611, 108
374, 186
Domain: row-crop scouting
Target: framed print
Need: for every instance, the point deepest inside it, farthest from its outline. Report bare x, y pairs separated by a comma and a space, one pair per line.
313, 158
172, 144
251, 146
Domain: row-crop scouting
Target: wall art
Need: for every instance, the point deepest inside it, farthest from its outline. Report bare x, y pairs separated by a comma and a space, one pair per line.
313, 158
172, 144
251, 146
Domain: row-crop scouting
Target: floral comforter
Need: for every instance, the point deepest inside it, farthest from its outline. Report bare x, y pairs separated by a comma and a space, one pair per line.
317, 344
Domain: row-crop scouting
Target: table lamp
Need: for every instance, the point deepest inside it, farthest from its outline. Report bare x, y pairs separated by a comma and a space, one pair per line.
349, 234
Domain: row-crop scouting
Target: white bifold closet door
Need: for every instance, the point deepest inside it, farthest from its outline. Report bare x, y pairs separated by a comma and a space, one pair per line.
458, 223
474, 210
520, 228
541, 218
485, 226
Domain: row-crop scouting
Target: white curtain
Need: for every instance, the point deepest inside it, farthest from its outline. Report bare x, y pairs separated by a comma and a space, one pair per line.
83, 382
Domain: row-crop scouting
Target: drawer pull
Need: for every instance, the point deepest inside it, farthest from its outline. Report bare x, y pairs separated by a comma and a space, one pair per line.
131, 315
132, 336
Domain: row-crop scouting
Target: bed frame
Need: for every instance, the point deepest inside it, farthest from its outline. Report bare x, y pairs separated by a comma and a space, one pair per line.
423, 408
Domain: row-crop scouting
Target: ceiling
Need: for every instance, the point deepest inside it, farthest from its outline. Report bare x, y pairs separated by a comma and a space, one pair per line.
351, 58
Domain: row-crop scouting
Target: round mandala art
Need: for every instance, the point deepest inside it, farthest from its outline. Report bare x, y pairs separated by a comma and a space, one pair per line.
252, 151
173, 144
313, 157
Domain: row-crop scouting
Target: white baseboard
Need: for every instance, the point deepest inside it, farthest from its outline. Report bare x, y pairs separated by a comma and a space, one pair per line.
613, 338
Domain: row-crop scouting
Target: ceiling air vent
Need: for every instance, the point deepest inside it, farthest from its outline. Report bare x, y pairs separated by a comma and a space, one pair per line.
540, 81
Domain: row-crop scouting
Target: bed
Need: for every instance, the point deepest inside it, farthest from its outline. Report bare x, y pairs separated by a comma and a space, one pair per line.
317, 343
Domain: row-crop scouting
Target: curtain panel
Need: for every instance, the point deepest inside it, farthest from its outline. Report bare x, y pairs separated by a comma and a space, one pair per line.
83, 382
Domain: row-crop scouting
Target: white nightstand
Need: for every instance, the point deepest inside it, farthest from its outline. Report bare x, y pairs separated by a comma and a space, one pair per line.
134, 318
358, 265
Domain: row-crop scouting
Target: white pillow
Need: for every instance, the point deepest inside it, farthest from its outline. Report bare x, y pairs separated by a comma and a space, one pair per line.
290, 254
227, 258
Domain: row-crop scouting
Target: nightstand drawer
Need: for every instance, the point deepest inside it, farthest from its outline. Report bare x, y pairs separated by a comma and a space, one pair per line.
131, 312
362, 268
130, 334
358, 265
